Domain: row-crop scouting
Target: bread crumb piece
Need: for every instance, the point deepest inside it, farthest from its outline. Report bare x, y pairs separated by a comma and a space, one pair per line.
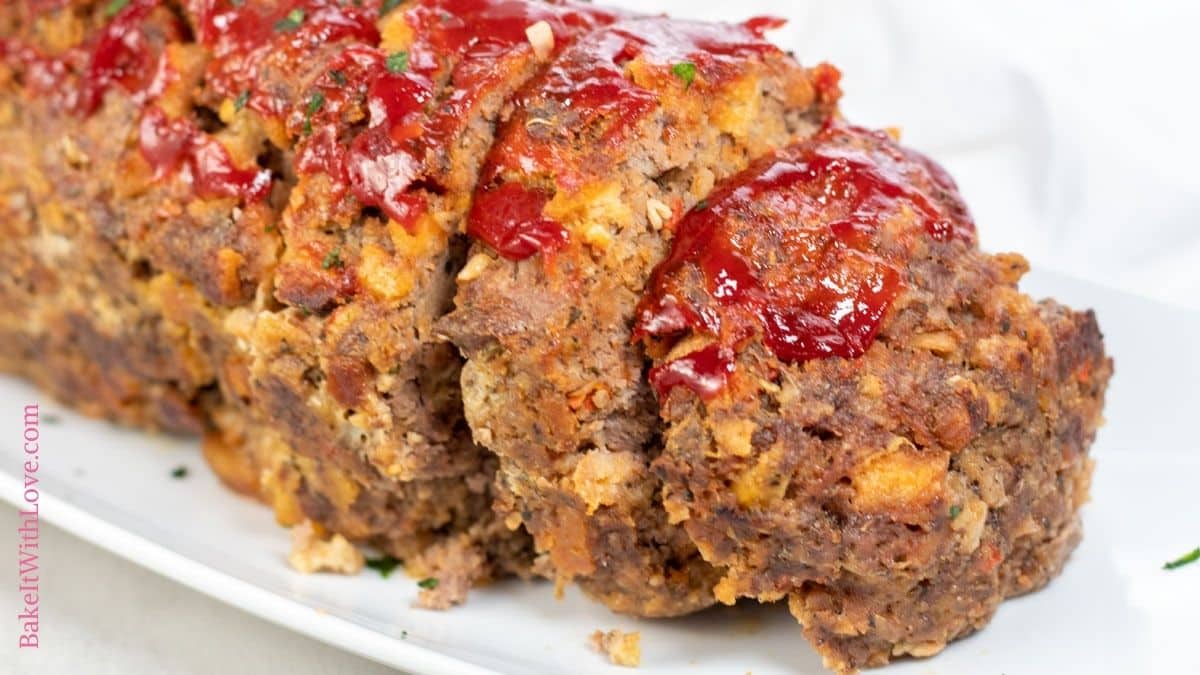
312, 554
474, 267
623, 649
601, 475
657, 213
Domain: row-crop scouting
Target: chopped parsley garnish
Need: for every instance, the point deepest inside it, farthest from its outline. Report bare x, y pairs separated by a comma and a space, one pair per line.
428, 584
384, 565
398, 62
389, 5
179, 472
1186, 559
955, 509
290, 22
241, 100
700, 205
338, 76
685, 71
314, 104
114, 7
403, 635
333, 258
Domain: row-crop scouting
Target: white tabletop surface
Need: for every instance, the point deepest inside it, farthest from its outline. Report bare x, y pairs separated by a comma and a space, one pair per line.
1070, 130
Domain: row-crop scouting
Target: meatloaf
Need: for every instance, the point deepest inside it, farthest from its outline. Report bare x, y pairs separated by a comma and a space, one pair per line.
625, 130
519, 287
862, 412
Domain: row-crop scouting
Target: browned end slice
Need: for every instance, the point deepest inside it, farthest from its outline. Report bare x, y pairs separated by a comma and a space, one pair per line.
863, 413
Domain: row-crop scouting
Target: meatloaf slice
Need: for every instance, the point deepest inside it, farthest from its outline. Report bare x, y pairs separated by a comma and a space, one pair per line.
625, 131
277, 187
387, 142
862, 411
78, 318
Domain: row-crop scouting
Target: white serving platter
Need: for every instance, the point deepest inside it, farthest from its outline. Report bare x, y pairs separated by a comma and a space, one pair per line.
1114, 609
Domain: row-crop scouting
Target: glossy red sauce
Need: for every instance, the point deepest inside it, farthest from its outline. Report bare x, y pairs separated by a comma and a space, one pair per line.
170, 145
460, 42
814, 211
509, 220
124, 55
129, 53
42, 75
244, 38
588, 88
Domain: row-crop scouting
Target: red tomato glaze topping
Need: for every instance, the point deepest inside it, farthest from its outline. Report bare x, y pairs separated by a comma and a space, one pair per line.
129, 53
456, 42
587, 88
170, 145
793, 249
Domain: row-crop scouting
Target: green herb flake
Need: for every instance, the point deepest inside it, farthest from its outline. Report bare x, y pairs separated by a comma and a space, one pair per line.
50, 419
686, 72
428, 584
338, 76
389, 5
955, 509
290, 22
180, 472
398, 62
385, 565
241, 101
314, 104
700, 205
114, 7
333, 259
1186, 559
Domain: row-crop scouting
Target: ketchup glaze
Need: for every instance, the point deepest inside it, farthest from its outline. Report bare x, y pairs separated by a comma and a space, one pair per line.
791, 250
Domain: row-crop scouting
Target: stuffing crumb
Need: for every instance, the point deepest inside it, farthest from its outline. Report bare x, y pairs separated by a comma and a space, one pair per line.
310, 553
446, 572
658, 213
623, 649
474, 267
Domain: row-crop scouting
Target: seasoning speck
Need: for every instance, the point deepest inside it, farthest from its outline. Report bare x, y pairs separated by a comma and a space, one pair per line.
179, 472
398, 62
114, 7
332, 259
1186, 559
385, 565
686, 72
291, 22
314, 104
955, 509
428, 584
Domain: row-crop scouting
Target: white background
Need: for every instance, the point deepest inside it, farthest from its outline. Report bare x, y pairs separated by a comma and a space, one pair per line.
1068, 125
